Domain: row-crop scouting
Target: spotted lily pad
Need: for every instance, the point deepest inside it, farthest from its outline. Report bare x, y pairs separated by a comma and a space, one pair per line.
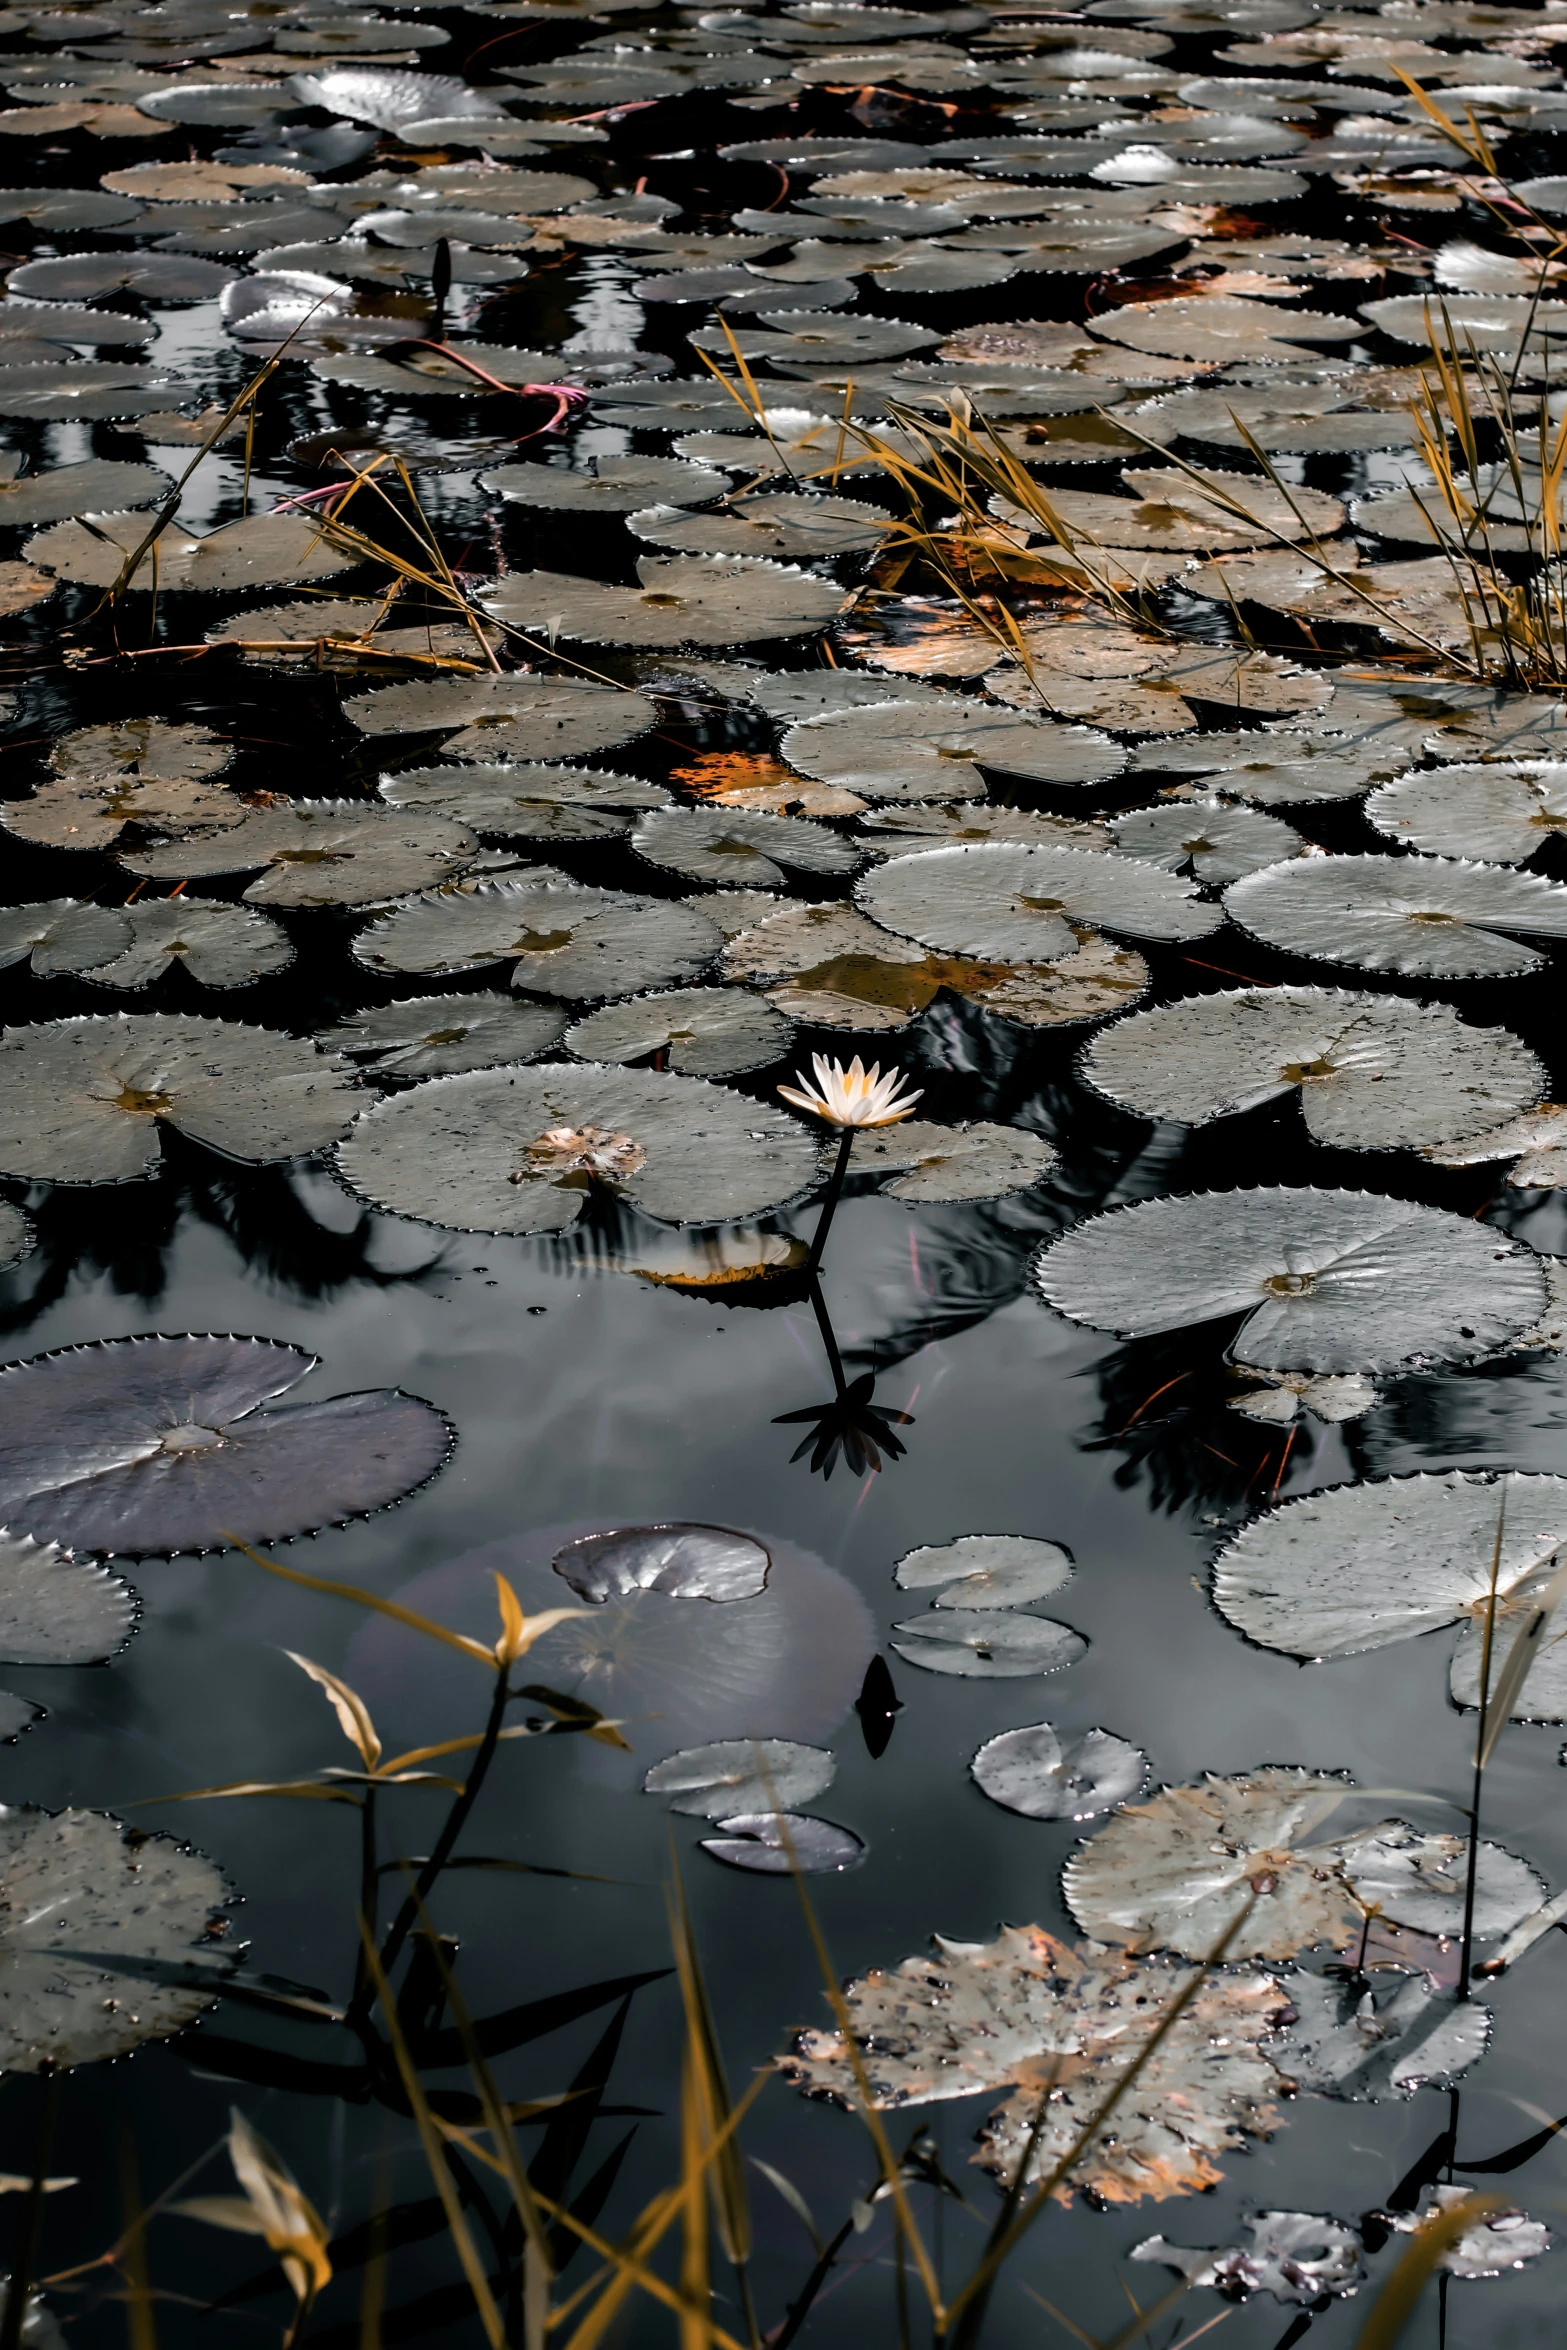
705, 1031
1431, 917
740, 846
896, 751
683, 1562
516, 1150
1373, 1072
1031, 1771
1017, 905
112, 1938
741, 1775
588, 944
83, 1099
1366, 1566
682, 600
158, 1445
985, 1643
443, 1035
1327, 1280
1059, 2027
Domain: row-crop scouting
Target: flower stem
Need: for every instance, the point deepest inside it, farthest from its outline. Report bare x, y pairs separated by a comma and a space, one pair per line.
830, 1203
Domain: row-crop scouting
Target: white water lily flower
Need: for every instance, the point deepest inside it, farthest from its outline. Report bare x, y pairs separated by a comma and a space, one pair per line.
852, 1096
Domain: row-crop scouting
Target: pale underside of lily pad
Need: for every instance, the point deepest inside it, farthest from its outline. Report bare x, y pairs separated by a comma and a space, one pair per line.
705, 1031
1503, 814
1426, 917
500, 1151
1059, 2027
1372, 1072
1326, 1280
1250, 1853
585, 944
159, 1445
1367, 1566
83, 1099
1017, 905
110, 1938
443, 1035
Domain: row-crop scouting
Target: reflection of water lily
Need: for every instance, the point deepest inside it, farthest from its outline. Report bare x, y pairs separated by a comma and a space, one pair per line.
852, 1425
852, 1097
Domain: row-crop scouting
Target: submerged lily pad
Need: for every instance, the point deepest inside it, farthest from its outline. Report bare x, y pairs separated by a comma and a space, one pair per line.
516, 1151
83, 1099
1016, 905
111, 1938
1431, 917
1032, 1772
681, 1561
158, 1445
981, 1161
59, 1610
443, 1035
1060, 2026
706, 1031
922, 751
740, 846
1504, 814
519, 716
986, 1643
986, 1570
1373, 1072
569, 941
1327, 1280
1366, 1566
682, 600
741, 1775
785, 1843
1177, 1871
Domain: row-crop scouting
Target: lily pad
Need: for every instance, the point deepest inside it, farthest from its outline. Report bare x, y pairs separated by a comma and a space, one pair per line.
17, 1236
740, 846
1366, 2040
100, 484
741, 1775
519, 716
1177, 1871
682, 600
84, 1099
1327, 1280
1373, 1072
920, 751
264, 550
1491, 2246
1503, 813
788, 527
111, 1938
159, 1445
683, 1562
528, 800
516, 1151
617, 485
984, 1644
444, 1035
1206, 838
1219, 326
588, 944
391, 95
986, 1570
1364, 1567
1016, 905
319, 853
785, 1843
61, 934
1428, 917
59, 1610
1280, 770
1060, 2026
979, 1161
1032, 1772
705, 1031
220, 946
1293, 2255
